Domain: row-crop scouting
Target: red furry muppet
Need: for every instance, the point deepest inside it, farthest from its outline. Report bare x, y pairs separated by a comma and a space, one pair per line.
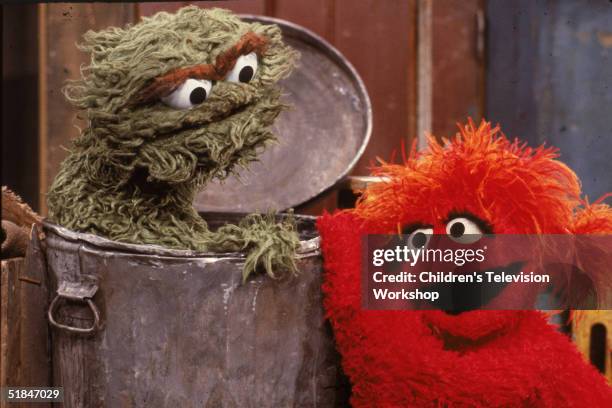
478, 358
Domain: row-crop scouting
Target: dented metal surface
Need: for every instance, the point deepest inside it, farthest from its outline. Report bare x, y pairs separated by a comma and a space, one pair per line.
320, 137
180, 328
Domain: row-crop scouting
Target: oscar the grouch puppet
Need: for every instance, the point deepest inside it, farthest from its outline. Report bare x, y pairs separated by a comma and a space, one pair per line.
172, 103
476, 183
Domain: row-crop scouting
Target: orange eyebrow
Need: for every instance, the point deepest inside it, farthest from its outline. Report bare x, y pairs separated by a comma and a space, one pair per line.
168, 82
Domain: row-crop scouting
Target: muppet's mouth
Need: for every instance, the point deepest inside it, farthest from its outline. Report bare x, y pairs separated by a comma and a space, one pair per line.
197, 124
220, 116
464, 297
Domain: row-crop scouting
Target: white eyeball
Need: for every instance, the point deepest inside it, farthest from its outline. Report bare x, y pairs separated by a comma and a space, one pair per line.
463, 230
190, 93
419, 238
244, 70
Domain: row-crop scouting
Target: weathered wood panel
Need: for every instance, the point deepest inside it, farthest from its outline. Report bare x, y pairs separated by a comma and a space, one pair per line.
60, 28
19, 96
549, 80
9, 320
239, 6
148, 9
510, 75
24, 339
458, 75
315, 15
380, 42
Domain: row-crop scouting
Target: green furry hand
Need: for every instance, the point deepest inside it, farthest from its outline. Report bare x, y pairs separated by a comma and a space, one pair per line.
268, 244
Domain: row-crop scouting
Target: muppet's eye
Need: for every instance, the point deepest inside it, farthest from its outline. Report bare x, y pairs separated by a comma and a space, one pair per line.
190, 93
244, 70
463, 230
419, 238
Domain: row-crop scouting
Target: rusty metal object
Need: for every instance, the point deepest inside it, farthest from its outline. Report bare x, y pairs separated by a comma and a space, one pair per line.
17, 221
321, 136
18, 212
178, 328
14, 240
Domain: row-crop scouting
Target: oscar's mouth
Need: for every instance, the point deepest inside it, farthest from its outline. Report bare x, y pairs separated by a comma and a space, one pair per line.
463, 297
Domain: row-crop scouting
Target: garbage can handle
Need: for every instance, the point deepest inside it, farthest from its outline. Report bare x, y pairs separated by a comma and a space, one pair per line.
80, 292
72, 329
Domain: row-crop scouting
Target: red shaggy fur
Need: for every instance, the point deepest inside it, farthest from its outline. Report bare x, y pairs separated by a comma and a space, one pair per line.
477, 358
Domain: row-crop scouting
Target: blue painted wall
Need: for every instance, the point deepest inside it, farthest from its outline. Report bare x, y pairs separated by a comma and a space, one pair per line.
549, 79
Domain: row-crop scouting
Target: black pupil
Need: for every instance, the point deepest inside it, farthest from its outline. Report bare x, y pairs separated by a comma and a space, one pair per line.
197, 96
246, 74
419, 239
457, 229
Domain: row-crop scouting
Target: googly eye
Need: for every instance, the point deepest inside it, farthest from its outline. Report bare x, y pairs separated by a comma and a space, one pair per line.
190, 93
244, 70
463, 230
419, 238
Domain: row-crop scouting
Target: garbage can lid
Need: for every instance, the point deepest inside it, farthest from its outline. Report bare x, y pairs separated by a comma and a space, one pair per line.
321, 136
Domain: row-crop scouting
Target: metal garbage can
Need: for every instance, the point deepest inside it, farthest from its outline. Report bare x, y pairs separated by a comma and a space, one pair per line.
146, 326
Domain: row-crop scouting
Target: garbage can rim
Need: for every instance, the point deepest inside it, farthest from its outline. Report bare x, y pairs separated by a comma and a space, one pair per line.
308, 247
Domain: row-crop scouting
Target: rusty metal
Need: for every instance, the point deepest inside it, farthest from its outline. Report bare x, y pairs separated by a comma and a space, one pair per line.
321, 137
179, 328
83, 292
30, 280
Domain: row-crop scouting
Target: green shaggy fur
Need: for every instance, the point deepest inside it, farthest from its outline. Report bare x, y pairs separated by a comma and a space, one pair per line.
133, 173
